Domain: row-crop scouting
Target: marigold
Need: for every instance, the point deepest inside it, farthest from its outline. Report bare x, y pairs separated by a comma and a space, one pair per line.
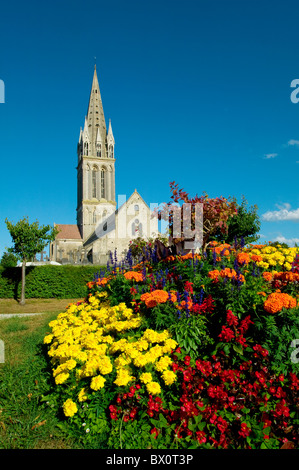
169, 377
153, 388
146, 377
69, 408
155, 297
277, 301
268, 276
134, 275
243, 258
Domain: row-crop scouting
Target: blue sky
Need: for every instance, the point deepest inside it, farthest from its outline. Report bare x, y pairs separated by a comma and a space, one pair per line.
198, 92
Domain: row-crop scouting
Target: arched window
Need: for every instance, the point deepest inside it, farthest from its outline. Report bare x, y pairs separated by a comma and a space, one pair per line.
99, 150
103, 184
136, 208
110, 155
94, 182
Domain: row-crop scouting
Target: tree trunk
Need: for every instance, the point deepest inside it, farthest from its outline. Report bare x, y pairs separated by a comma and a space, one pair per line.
22, 301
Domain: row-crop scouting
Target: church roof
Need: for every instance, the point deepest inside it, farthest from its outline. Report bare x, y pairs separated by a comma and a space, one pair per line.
68, 231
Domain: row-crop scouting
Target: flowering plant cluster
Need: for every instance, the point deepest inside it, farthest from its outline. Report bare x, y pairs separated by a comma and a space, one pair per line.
188, 351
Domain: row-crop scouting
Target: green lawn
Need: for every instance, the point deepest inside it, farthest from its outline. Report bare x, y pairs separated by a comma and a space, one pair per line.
34, 305
25, 421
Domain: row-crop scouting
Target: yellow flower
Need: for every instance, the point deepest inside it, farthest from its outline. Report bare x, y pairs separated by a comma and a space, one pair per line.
169, 377
82, 395
123, 377
61, 378
163, 363
48, 339
153, 388
69, 408
146, 377
97, 382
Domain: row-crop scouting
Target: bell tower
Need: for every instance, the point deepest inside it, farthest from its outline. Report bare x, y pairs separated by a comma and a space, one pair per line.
96, 166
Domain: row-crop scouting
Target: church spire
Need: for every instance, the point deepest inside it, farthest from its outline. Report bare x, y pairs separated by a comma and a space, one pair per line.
95, 114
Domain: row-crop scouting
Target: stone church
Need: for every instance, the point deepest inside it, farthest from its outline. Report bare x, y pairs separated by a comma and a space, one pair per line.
103, 226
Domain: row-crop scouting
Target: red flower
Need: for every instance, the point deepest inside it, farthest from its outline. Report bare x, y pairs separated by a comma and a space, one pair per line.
187, 360
187, 375
226, 334
245, 323
231, 319
189, 287
201, 437
155, 432
241, 340
260, 350
245, 430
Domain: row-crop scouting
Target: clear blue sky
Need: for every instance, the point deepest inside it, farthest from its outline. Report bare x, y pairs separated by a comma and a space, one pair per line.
197, 91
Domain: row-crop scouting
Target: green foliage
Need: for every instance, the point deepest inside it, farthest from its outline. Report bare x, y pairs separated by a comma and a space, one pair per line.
61, 282
8, 260
29, 239
140, 246
245, 224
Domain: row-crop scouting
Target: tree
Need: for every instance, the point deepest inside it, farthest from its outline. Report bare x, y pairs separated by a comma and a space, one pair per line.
28, 240
8, 260
245, 224
215, 215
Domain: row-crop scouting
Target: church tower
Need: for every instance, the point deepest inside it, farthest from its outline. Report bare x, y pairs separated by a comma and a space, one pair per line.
96, 166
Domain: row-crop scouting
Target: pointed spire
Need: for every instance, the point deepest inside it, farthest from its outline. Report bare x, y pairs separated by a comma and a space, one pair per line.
95, 113
110, 133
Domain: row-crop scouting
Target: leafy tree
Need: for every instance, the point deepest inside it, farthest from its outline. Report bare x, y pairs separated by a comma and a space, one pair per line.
216, 212
8, 260
245, 224
28, 240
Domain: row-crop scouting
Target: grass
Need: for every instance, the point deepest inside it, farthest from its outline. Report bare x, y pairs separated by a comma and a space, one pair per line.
34, 305
27, 422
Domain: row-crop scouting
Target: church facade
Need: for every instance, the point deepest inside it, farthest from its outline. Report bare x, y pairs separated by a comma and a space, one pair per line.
104, 225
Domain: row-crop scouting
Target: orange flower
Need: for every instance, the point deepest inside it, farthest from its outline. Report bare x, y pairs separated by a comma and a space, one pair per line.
268, 276
136, 276
90, 284
155, 297
228, 272
287, 276
277, 301
256, 258
219, 249
214, 274
190, 256
262, 293
183, 304
102, 282
243, 258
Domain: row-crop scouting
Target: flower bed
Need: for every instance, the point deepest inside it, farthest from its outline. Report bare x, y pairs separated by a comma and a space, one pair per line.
195, 351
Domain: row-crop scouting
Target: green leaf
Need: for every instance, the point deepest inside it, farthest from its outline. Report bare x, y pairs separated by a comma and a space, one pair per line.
238, 348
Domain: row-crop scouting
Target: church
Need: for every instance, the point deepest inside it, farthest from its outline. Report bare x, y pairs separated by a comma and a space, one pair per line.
103, 226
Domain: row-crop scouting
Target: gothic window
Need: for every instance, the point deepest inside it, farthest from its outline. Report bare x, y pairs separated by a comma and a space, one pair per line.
136, 208
94, 183
110, 151
99, 150
86, 148
103, 184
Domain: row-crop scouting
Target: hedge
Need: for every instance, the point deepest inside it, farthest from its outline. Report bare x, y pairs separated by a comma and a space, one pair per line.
60, 282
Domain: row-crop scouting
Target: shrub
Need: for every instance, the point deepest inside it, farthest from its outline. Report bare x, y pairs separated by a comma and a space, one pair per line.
48, 281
